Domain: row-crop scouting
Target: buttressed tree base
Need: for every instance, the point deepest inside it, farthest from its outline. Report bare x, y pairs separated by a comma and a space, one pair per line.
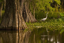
15, 15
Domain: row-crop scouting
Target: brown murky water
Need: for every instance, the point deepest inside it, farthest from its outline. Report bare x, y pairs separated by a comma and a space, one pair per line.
41, 35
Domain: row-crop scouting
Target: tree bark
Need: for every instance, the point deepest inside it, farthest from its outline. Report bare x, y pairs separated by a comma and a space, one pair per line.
4, 4
13, 15
27, 15
1, 5
34, 11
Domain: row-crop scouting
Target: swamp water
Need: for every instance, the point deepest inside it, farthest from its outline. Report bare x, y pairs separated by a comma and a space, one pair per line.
41, 35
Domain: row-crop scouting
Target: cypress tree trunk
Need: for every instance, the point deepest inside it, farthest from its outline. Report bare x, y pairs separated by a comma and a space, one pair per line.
27, 15
34, 11
1, 5
13, 15
4, 4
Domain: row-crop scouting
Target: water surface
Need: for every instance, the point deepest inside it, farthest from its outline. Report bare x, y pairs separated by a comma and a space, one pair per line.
41, 35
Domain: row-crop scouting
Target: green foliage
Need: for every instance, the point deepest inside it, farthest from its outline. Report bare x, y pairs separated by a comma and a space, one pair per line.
54, 15
51, 24
2, 14
42, 7
51, 15
3, 11
62, 30
45, 5
40, 15
62, 14
1, 0
60, 19
58, 1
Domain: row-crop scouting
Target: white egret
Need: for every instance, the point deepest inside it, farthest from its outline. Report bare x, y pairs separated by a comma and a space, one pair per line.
44, 18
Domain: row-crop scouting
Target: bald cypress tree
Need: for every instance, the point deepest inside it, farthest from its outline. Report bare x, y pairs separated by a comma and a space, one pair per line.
1, 6
13, 16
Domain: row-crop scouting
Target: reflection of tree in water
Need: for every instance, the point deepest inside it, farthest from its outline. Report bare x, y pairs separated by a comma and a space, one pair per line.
24, 36
8, 37
14, 37
41, 36
36, 36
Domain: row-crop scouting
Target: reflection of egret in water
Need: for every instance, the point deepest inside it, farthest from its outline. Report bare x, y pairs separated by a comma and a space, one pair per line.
45, 37
36, 36
51, 37
47, 30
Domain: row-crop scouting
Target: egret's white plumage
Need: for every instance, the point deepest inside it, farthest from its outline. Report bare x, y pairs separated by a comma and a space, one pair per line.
44, 18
